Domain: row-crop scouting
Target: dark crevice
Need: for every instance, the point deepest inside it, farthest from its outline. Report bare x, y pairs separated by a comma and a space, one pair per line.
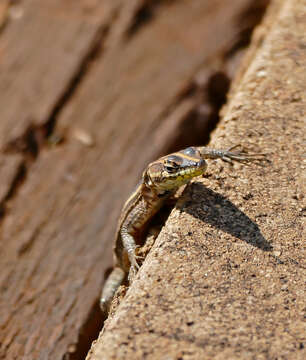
246, 22
27, 144
211, 94
144, 14
196, 127
20, 175
16, 182
87, 334
217, 89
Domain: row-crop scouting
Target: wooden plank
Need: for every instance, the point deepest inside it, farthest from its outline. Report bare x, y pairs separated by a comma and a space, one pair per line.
56, 241
37, 67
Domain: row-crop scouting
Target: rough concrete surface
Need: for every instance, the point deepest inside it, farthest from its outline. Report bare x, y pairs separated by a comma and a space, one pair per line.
225, 278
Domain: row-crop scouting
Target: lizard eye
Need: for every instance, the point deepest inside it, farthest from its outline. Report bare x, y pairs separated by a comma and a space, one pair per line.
171, 167
172, 163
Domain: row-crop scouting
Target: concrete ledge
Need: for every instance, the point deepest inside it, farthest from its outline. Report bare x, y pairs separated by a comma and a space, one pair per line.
224, 279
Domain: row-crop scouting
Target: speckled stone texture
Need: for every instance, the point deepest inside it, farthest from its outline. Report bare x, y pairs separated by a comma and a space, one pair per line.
225, 278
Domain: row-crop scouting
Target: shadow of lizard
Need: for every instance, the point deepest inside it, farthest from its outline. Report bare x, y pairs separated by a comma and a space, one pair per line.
214, 209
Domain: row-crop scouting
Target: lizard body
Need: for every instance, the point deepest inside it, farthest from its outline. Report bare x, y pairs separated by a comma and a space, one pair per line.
160, 180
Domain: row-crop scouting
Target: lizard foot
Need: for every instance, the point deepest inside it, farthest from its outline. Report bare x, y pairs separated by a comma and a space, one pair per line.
133, 257
242, 156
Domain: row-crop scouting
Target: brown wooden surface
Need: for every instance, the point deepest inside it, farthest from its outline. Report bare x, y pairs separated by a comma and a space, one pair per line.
43, 49
118, 92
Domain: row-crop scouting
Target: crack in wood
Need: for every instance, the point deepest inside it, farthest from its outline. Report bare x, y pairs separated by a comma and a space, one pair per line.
211, 95
247, 21
36, 137
144, 14
15, 185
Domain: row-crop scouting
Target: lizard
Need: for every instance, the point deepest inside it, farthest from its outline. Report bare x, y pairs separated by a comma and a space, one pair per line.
160, 180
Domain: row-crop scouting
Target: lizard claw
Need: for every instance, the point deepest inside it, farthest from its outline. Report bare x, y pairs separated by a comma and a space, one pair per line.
241, 156
133, 257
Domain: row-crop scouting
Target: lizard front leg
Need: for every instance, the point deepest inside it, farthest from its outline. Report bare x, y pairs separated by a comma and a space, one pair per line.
130, 246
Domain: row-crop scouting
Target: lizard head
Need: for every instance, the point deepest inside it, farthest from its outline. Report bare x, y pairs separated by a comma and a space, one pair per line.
174, 170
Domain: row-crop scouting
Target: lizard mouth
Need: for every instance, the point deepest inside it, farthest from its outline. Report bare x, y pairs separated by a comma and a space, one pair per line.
202, 164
